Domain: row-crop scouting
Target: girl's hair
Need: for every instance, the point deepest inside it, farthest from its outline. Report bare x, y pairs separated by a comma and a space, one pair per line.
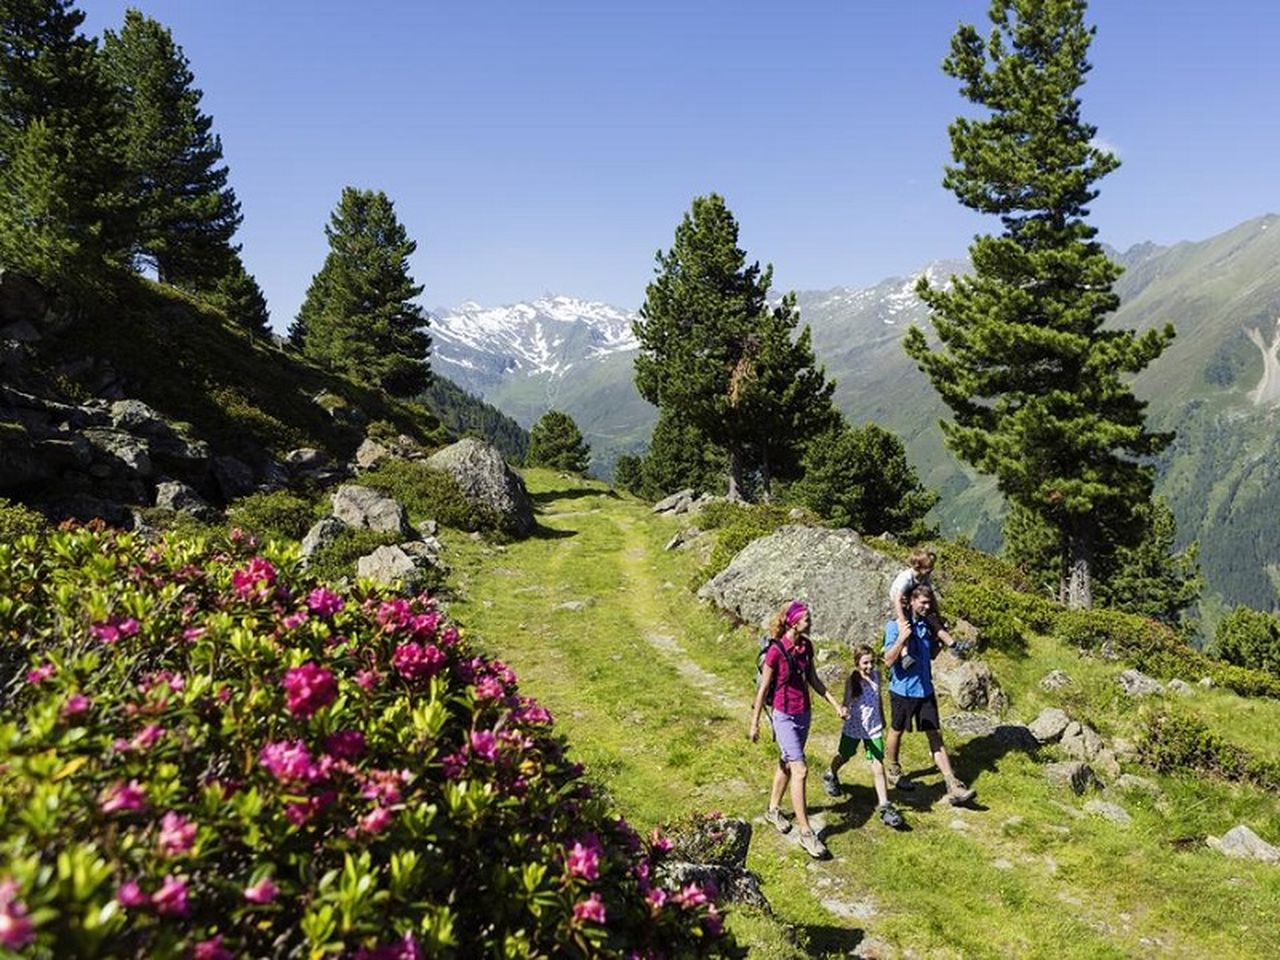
920, 558
853, 686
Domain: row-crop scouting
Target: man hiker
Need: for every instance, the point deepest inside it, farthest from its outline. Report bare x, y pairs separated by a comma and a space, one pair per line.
912, 703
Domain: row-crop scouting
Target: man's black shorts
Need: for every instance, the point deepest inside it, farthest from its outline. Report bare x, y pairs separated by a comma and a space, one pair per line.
924, 710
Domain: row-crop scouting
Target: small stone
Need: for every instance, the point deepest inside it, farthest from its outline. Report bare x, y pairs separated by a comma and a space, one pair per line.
1135, 684
1002, 864
572, 605
321, 534
173, 495
1181, 688
1073, 774
1055, 680
1108, 811
1049, 725
365, 508
1134, 784
1243, 843
1106, 763
1207, 682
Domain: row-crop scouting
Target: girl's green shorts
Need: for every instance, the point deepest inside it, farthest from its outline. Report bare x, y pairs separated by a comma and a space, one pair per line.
849, 747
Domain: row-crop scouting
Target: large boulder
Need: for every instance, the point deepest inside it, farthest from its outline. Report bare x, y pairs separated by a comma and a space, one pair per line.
845, 582
486, 480
967, 682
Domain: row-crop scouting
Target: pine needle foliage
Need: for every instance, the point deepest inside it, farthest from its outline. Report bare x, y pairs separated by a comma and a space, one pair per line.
556, 442
1034, 383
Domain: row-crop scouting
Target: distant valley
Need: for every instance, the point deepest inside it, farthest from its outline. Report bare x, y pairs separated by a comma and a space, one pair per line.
1218, 386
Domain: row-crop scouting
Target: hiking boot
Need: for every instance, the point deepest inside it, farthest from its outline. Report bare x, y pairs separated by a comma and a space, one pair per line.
774, 815
831, 783
813, 845
893, 773
957, 792
890, 817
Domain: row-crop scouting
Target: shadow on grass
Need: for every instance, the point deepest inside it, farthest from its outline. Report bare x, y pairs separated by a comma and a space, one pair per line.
550, 533
825, 940
551, 496
970, 760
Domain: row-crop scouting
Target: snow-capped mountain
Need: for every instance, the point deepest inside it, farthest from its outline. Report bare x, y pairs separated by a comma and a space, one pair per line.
481, 347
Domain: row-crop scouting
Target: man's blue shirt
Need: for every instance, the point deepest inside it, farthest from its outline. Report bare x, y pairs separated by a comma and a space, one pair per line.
918, 680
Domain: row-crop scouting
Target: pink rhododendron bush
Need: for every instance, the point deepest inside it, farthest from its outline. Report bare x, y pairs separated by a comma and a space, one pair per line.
203, 754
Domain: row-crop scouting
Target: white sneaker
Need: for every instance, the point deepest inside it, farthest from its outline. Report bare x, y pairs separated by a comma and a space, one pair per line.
813, 845
831, 783
780, 823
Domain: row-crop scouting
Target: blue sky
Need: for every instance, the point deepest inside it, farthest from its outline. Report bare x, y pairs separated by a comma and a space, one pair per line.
552, 146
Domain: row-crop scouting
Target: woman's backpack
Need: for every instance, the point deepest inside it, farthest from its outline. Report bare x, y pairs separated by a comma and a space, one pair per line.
765, 643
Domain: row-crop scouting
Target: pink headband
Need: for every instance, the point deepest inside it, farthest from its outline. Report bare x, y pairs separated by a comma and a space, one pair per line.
794, 613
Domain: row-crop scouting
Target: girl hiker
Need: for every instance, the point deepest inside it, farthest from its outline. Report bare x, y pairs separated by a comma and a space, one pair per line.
865, 726
785, 679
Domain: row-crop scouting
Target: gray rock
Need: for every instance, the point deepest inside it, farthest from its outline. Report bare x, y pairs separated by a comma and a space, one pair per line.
967, 682
1055, 680
487, 481
1017, 736
305, 459
1073, 774
722, 840
1049, 725
1135, 683
322, 534
1080, 741
682, 538
998, 701
177, 496
1130, 783
1243, 843
139, 419
371, 453
1181, 688
120, 450
429, 528
1207, 683
1106, 763
734, 884
845, 582
574, 605
970, 724
1126, 751
1108, 811
71, 451
367, 509
393, 566
677, 502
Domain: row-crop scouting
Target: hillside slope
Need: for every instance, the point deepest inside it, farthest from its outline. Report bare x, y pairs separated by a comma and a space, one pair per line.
653, 691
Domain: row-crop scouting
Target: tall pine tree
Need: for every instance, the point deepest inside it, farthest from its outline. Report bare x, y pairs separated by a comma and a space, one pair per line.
237, 294
359, 316
1033, 381
64, 214
715, 352
187, 214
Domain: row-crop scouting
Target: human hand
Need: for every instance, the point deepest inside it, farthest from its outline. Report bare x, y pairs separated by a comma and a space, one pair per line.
842, 711
755, 731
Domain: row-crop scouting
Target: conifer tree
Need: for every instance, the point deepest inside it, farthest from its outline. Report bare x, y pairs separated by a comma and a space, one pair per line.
555, 441
680, 457
1033, 381
187, 214
859, 477
358, 316
64, 216
713, 349
238, 295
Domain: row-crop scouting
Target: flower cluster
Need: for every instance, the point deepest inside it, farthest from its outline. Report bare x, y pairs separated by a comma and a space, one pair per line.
273, 740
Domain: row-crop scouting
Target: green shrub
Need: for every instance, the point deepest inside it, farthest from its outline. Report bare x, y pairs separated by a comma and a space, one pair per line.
19, 521
432, 494
212, 755
1005, 617
737, 524
1249, 638
338, 559
176, 522
277, 515
1173, 743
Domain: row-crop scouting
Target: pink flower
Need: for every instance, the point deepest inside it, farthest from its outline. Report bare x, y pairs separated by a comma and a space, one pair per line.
657, 898
264, 891
255, 580
309, 688
383, 786
41, 673
289, 761
324, 603
376, 820
583, 862
591, 909
490, 688
147, 737
368, 679
692, 896
424, 625
75, 705
532, 712
394, 615
484, 745
345, 744
123, 796
712, 923
294, 620
449, 637
212, 949
414, 661
16, 930
177, 834
658, 842
171, 899
131, 896
193, 633
454, 764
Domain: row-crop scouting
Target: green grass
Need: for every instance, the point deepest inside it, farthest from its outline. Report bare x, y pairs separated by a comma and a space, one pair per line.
652, 689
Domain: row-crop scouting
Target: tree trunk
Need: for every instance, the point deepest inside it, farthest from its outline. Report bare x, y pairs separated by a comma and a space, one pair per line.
1064, 568
735, 473
1080, 593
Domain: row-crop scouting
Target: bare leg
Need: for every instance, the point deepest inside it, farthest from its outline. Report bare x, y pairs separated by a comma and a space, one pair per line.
892, 741
781, 774
940, 755
799, 771
882, 785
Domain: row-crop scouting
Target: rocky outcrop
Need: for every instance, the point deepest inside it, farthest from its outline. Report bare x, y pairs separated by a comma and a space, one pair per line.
713, 854
1137, 684
363, 508
488, 482
1074, 775
684, 501
1244, 844
845, 582
1049, 725
969, 683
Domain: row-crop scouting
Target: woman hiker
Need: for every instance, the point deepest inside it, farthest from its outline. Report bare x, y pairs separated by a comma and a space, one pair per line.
786, 677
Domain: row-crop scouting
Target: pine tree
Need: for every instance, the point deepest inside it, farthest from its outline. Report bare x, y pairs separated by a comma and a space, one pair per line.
859, 477
1033, 381
187, 214
680, 457
64, 217
713, 349
237, 294
556, 442
358, 316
